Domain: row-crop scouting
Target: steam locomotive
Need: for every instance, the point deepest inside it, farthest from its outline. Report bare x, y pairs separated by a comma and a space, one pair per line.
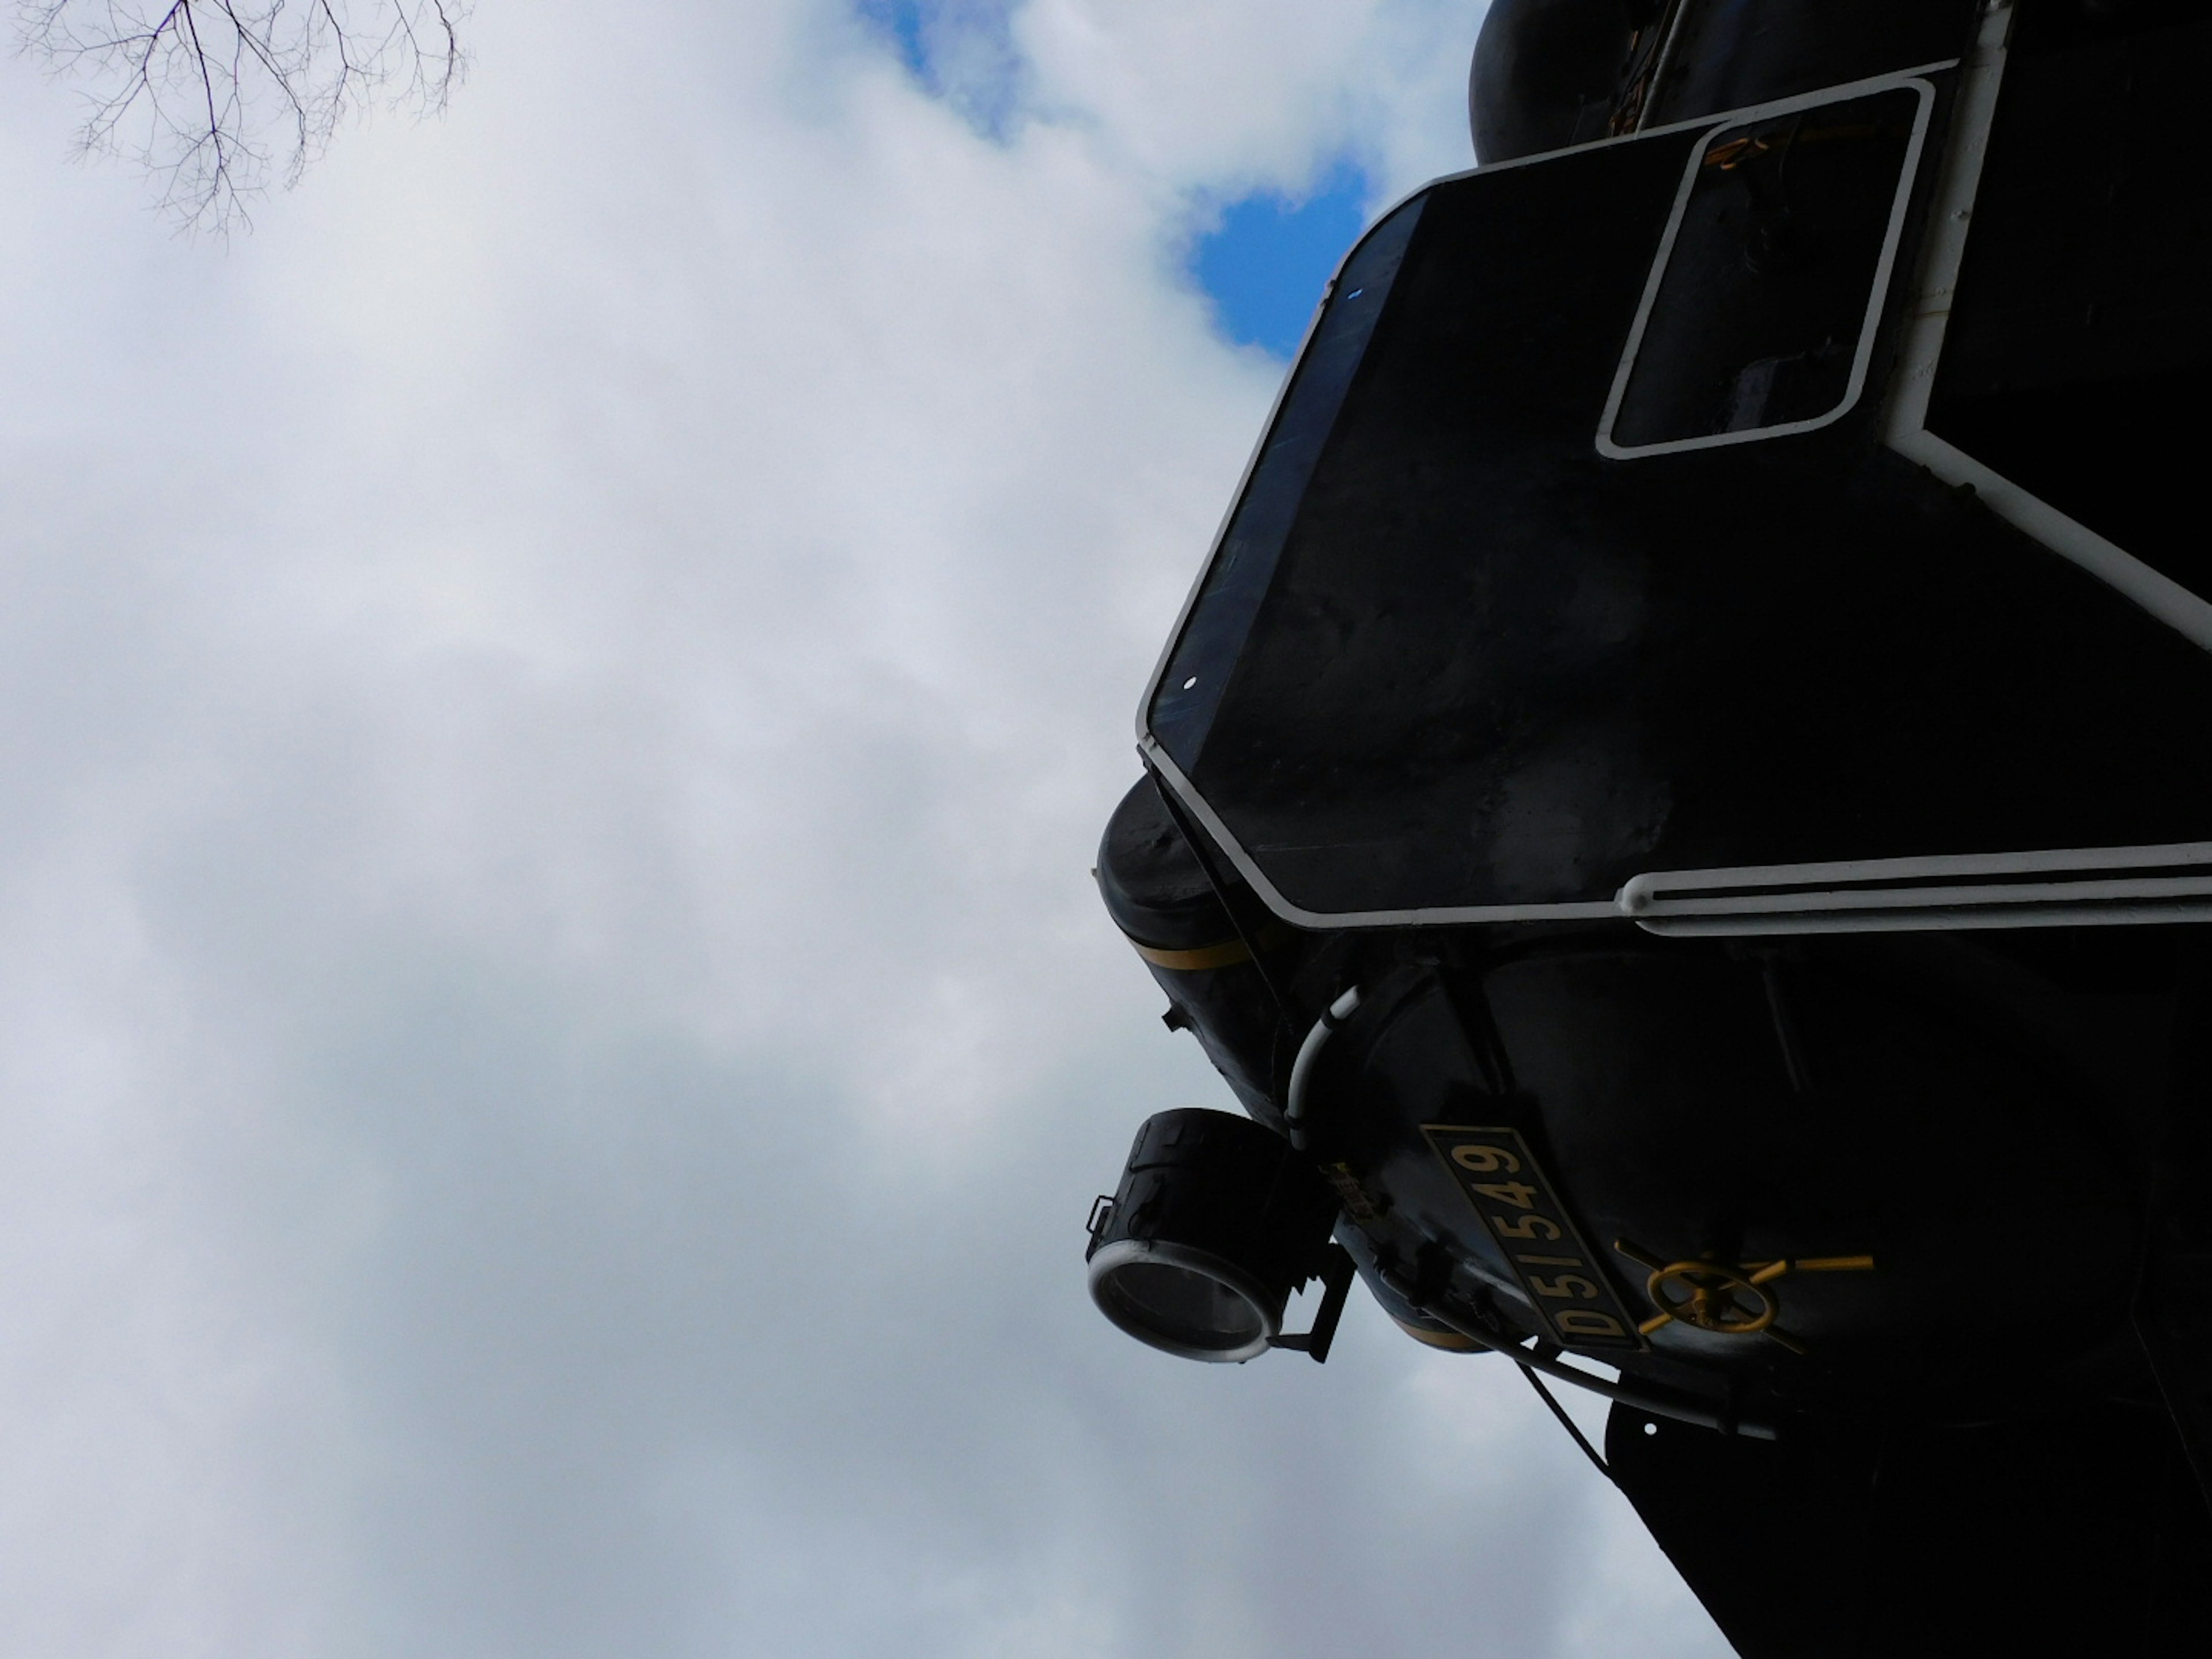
1680, 808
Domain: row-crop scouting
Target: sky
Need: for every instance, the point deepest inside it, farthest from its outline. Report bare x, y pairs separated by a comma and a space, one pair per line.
557, 699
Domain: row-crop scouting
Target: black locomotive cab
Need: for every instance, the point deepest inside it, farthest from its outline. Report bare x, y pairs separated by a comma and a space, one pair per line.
1679, 807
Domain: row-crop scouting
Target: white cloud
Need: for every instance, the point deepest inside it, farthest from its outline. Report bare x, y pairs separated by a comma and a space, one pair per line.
556, 1037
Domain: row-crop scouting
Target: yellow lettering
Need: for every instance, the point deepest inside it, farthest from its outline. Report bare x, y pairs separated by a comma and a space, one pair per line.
1481, 1160
1519, 1193
1526, 1226
1567, 1284
1581, 1322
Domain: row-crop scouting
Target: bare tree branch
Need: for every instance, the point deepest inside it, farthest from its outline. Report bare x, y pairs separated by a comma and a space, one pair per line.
212, 99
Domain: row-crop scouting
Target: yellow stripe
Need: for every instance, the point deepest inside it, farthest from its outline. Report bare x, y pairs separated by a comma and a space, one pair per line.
1451, 1339
1226, 954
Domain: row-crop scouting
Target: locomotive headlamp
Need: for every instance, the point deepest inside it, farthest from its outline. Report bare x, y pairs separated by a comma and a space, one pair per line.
1216, 1223
1187, 1301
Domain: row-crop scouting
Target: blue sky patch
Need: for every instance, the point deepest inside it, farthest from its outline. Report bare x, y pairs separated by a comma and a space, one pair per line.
961, 51
900, 19
1264, 265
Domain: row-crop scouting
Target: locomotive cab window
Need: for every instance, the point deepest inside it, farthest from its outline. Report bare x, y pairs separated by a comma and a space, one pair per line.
1760, 312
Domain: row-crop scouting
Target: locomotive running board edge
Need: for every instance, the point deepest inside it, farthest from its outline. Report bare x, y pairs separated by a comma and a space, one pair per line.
2089, 887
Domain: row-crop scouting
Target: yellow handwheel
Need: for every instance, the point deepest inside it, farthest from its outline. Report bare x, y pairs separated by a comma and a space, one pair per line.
1713, 1297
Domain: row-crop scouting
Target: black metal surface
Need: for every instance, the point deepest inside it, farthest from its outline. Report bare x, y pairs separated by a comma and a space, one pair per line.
1154, 886
1547, 73
1213, 969
1490, 667
2077, 1534
1237, 1208
1337, 1275
1731, 54
1357, 695
2064, 26
2173, 1302
1945, 1104
2079, 346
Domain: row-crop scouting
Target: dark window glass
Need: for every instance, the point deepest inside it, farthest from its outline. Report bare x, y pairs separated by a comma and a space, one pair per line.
1244, 566
1764, 306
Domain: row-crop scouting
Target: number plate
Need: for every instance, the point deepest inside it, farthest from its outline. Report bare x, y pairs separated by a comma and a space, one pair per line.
1565, 1283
